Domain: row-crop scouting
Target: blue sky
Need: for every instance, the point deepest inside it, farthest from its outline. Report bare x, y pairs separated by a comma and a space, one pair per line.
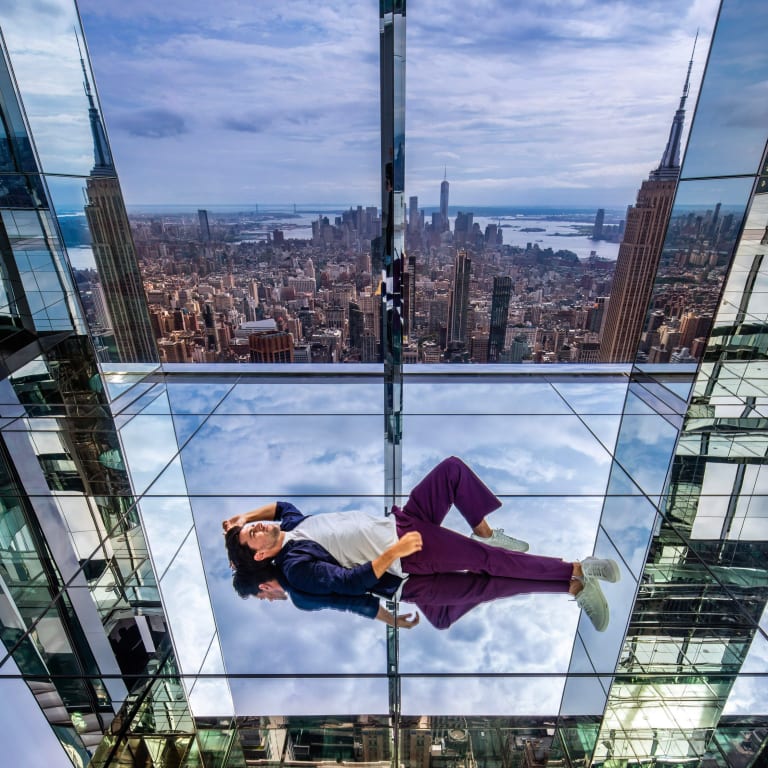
533, 102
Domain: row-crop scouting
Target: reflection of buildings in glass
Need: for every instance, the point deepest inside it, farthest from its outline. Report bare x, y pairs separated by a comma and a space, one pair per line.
71, 543
640, 249
409, 297
687, 286
77, 584
114, 252
704, 589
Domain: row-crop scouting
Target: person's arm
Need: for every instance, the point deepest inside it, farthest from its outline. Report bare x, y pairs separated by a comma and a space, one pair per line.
363, 605
405, 620
405, 545
310, 568
267, 512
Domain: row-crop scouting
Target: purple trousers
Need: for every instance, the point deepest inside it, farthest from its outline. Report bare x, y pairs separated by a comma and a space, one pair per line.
444, 551
444, 598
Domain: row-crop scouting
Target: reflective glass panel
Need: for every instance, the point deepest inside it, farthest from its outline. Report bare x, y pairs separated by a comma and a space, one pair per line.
729, 104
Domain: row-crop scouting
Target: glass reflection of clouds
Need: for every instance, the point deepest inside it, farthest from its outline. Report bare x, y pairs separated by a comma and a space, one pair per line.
512, 454
482, 397
150, 445
305, 397
167, 522
307, 696
644, 447
748, 694
47, 67
583, 695
210, 696
733, 99
204, 454
285, 455
508, 696
604, 647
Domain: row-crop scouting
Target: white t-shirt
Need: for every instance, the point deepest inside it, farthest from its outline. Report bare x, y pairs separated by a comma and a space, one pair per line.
352, 538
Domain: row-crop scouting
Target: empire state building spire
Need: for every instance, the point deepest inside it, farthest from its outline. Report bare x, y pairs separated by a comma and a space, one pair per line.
102, 165
669, 168
132, 339
640, 250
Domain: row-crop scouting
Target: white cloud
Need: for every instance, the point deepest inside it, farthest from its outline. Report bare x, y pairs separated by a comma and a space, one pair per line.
577, 99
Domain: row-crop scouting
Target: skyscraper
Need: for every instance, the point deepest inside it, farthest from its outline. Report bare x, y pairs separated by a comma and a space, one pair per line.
502, 290
413, 213
444, 189
114, 251
459, 300
597, 230
409, 296
205, 229
640, 249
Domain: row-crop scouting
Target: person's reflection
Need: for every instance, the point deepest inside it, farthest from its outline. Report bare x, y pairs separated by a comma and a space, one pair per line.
344, 555
442, 598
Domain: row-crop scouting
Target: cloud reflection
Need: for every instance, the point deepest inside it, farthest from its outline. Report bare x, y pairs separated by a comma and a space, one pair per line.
266, 442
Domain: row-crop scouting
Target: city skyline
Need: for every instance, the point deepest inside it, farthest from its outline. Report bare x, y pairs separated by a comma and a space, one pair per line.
282, 105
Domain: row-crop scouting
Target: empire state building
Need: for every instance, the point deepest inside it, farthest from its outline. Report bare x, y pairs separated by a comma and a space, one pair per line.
114, 251
641, 248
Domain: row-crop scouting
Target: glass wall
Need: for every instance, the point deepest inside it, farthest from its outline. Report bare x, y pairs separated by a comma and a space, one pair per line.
695, 625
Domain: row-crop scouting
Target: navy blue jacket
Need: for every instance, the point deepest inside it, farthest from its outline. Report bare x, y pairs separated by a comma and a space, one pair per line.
315, 579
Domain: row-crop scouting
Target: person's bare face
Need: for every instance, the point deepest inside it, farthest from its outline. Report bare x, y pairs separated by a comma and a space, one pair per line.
259, 537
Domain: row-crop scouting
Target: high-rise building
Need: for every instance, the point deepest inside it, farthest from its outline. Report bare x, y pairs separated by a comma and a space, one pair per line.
409, 297
502, 291
271, 347
114, 251
640, 249
597, 229
459, 299
444, 190
413, 213
205, 229
462, 228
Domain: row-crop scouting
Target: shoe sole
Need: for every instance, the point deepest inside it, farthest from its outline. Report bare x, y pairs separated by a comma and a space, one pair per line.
524, 546
604, 603
613, 576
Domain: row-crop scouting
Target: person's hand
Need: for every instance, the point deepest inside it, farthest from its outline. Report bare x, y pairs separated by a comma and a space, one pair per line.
408, 544
408, 620
232, 522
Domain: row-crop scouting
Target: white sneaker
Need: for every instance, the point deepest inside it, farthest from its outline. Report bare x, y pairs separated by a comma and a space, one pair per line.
601, 568
500, 539
592, 601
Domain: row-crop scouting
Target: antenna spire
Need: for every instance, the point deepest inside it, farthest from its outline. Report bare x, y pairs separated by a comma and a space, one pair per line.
669, 168
103, 165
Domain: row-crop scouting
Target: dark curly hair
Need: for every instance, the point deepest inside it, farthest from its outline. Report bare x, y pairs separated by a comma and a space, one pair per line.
240, 556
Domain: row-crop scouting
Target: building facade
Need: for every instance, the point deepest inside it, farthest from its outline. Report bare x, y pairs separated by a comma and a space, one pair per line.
640, 249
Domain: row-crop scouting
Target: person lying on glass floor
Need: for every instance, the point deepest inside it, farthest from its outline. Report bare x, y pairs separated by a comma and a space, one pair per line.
348, 560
